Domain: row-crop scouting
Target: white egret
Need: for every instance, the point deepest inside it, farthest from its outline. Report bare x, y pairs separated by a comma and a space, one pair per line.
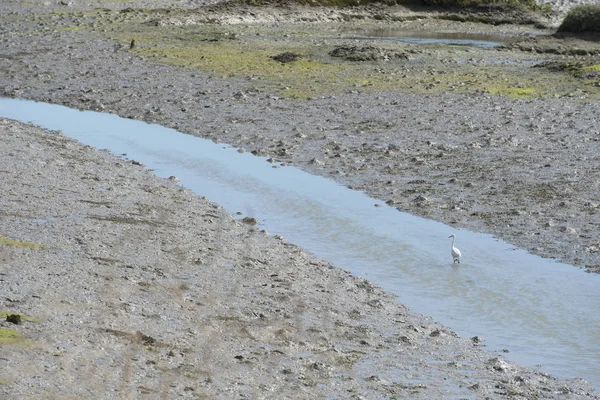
455, 252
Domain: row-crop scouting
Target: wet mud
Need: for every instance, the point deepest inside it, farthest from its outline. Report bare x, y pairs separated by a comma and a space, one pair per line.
118, 267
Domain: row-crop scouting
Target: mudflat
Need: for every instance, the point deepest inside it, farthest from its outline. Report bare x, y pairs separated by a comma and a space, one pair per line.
128, 285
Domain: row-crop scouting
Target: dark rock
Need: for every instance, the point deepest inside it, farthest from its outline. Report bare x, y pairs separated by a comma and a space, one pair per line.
286, 57
250, 221
14, 318
366, 53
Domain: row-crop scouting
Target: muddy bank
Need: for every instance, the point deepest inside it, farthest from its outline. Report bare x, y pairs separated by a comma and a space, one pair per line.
126, 285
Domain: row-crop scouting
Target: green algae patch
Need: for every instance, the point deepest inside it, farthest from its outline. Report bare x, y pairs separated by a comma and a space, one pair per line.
10, 336
5, 241
249, 52
229, 54
230, 60
253, 60
595, 68
573, 67
512, 91
578, 72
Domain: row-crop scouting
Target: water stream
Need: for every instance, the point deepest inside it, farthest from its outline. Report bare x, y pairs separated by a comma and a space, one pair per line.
545, 313
426, 37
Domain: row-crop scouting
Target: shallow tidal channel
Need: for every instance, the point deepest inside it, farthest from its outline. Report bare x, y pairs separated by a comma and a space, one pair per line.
534, 311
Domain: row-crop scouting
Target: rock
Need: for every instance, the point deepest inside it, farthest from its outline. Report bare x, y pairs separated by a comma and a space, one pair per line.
568, 230
250, 221
286, 57
436, 333
14, 318
477, 339
366, 53
421, 200
376, 303
144, 339
405, 339
500, 365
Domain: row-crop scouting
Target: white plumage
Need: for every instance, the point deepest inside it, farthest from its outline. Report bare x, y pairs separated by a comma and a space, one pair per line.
454, 251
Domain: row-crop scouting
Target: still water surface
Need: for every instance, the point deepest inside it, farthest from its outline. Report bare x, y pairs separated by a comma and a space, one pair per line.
545, 313
426, 37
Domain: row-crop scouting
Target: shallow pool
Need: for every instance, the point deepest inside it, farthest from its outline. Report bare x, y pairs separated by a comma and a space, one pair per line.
426, 37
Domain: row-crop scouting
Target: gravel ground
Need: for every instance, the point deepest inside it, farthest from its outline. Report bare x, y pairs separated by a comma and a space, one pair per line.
128, 263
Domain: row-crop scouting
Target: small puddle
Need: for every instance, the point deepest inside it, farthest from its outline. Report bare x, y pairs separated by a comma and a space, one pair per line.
424, 37
545, 313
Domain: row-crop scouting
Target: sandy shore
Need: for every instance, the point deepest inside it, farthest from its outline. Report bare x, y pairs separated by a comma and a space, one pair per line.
129, 286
